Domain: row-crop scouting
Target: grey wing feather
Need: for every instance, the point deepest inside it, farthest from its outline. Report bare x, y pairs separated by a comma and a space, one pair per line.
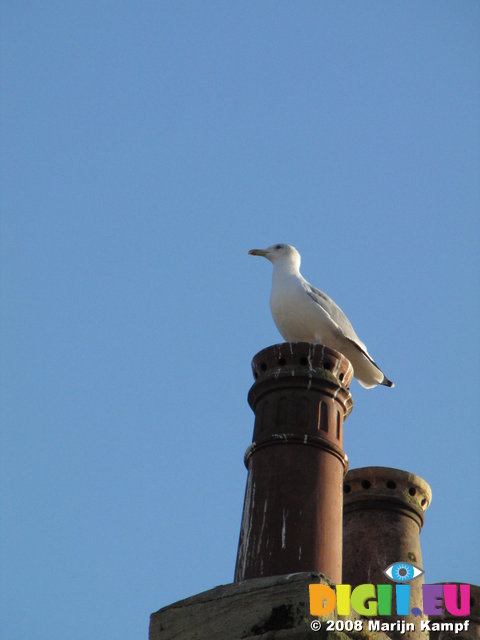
342, 322
336, 314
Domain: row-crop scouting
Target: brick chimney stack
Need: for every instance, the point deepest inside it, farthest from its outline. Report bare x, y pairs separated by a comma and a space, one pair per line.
297, 491
383, 515
292, 515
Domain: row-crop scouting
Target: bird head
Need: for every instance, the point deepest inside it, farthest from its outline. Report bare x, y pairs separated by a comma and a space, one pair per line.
279, 253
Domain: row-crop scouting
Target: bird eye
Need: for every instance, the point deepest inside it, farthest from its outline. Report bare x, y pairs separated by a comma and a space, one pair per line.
279, 246
402, 572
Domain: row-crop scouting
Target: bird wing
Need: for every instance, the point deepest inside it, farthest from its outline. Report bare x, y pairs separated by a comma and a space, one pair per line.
337, 316
340, 320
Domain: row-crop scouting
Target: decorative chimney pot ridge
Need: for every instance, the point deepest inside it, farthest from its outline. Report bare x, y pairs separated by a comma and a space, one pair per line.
306, 363
292, 516
388, 488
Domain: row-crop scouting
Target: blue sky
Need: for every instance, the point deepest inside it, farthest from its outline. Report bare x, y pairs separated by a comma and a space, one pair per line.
146, 146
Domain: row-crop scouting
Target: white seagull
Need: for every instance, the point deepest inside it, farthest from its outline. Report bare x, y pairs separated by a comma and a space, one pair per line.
302, 313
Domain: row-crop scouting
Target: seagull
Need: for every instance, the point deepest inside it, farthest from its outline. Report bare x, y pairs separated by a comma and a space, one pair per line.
302, 313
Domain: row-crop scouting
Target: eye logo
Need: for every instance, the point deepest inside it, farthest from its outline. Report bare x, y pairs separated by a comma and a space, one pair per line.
402, 572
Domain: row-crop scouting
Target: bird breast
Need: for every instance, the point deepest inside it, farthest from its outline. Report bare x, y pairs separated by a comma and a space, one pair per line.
297, 319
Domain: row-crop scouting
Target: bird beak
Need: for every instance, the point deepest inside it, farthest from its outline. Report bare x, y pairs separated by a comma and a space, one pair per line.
258, 252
